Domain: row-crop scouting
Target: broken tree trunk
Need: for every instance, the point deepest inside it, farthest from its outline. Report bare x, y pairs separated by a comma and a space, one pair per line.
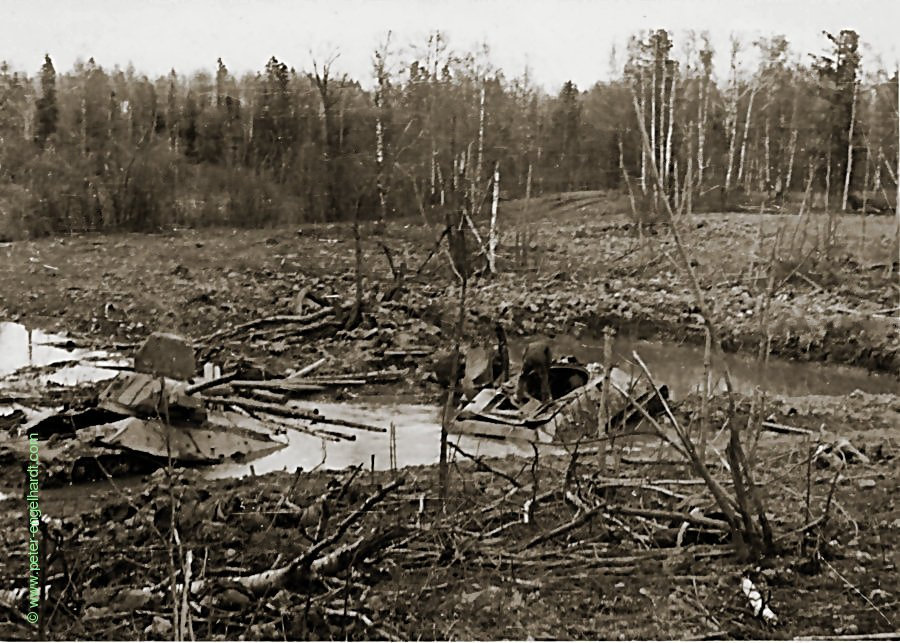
703, 108
281, 386
480, 157
767, 168
792, 150
202, 386
355, 315
653, 113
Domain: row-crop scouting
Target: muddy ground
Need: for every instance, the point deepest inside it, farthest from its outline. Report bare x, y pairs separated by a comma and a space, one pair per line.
584, 269
475, 571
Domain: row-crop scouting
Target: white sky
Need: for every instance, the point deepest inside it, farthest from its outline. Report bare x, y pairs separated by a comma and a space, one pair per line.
557, 39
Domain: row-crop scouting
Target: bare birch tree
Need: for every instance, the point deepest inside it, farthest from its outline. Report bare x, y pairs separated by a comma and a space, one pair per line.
381, 99
731, 117
849, 168
668, 155
703, 108
493, 234
740, 174
897, 176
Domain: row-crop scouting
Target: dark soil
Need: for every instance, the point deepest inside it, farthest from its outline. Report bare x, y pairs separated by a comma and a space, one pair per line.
445, 576
468, 572
584, 269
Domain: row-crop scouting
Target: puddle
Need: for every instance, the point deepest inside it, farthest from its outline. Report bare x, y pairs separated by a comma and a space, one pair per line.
82, 374
21, 347
418, 431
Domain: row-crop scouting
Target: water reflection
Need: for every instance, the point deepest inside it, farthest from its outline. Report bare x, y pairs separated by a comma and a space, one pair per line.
22, 347
418, 431
680, 366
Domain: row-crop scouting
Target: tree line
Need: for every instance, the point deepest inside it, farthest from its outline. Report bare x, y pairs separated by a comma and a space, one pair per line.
99, 149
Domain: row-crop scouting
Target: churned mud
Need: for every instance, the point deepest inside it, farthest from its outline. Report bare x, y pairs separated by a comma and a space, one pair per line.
615, 539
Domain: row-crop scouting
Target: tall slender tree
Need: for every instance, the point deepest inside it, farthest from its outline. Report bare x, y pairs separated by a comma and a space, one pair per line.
47, 113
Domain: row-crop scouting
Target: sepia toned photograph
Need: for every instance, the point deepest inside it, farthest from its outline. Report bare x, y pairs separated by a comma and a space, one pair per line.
476, 320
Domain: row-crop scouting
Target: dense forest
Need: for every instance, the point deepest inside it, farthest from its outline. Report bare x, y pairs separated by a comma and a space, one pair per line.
100, 149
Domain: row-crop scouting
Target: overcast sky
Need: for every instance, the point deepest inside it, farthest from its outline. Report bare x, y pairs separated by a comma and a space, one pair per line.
557, 39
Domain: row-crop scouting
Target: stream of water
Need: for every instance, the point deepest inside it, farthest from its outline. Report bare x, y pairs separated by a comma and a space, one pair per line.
680, 367
417, 426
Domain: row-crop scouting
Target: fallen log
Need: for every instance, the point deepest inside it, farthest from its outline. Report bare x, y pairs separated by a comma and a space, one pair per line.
287, 411
650, 461
877, 636
297, 575
575, 523
221, 390
757, 603
412, 352
295, 384
340, 382
306, 370
335, 436
202, 386
385, 375
265, 321
709, 636
700, 521
783, 428
350, 520
268, 396
287, 386
322, 434
631, 482
295, 332
639, 484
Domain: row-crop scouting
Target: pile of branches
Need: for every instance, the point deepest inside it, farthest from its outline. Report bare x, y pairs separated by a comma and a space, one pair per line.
359, 555
316, 560
275, 328
178, 561
268, 399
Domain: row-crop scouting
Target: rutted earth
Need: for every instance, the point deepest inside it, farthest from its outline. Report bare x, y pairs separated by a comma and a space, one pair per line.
473, 572
584, 270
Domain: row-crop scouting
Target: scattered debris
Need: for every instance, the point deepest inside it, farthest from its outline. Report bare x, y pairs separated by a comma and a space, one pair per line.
155, 415
572, 413
838, 454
